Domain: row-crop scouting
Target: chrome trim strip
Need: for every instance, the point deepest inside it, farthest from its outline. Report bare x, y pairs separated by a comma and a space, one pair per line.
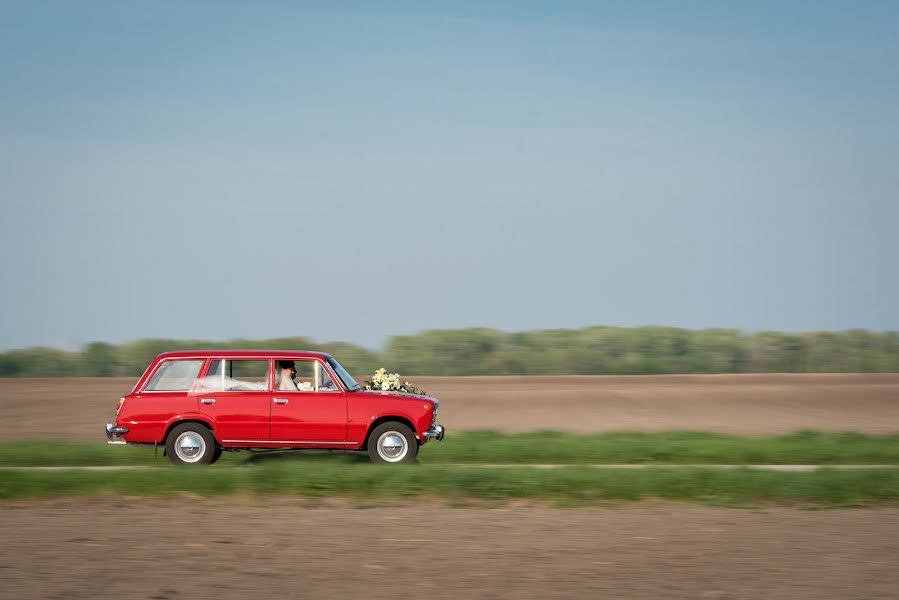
284, 442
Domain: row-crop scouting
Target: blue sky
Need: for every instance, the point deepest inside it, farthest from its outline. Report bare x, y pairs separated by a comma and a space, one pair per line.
223, 169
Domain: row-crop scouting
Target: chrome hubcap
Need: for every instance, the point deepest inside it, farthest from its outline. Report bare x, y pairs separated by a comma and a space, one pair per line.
190, 446
392, 446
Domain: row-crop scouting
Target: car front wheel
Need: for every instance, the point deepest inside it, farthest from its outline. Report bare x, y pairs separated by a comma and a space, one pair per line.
190, 444
392, 442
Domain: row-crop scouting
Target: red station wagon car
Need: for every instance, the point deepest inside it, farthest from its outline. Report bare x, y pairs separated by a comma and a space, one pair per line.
199, 403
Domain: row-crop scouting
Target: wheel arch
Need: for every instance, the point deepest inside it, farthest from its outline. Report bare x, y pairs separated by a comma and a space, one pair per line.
196, 420
386, 419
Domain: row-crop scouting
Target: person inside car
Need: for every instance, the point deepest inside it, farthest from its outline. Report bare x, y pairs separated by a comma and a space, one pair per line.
287, 371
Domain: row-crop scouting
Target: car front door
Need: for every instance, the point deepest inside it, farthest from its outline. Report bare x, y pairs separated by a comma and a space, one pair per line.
310, 408
235, 394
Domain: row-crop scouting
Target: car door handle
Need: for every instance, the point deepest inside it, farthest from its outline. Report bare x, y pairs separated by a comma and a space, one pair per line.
280, 400
208, 400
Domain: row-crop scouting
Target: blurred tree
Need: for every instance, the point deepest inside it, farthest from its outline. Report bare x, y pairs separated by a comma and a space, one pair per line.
482, 351
99, 359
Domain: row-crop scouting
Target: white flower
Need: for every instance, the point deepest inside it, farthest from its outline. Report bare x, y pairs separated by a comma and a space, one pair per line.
385, 382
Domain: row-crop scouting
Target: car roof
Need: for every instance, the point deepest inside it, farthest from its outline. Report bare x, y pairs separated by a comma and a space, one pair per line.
244, 354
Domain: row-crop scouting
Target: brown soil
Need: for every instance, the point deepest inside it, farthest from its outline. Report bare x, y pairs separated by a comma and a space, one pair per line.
737, 404
286, 548
292, 548
76, 409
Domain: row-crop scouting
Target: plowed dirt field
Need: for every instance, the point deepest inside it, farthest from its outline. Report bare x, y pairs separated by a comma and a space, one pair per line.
286, 548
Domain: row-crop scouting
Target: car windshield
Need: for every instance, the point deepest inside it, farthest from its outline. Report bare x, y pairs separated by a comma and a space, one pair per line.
348, 382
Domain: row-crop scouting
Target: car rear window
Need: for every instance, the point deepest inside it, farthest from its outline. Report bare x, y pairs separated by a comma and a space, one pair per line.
174, 376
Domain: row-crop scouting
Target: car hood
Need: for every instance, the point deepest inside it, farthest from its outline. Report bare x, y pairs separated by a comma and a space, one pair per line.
402, 395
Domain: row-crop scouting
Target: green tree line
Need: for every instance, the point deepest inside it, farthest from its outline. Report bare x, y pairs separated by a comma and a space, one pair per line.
479, 351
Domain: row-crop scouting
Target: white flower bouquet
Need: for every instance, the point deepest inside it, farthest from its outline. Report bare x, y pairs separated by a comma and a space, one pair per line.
383, 382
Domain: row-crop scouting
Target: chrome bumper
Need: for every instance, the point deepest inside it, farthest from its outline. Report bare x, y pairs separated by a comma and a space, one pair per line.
436, 433
114, 433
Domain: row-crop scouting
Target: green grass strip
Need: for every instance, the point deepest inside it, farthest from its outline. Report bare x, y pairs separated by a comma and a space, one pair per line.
546, 447
572, 486
41, 453
670, 447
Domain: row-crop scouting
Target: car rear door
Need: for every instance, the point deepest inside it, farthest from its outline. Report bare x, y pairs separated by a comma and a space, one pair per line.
235, 393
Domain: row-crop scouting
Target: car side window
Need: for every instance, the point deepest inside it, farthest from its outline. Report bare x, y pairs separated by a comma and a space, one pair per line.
325, 383
174, 376
237, 375
312, 377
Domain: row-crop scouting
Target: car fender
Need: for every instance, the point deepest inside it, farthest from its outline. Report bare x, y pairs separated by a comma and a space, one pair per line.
187, 418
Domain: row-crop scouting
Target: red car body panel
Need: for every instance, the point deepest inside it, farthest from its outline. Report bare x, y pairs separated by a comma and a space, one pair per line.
367, 407
149, 414
238, 415
309, 416
269, 418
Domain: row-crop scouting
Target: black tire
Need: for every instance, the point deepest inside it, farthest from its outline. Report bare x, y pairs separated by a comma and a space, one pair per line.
216, 455
190, 444
392, 443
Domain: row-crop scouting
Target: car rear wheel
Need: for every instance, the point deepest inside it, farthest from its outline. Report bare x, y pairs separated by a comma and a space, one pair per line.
190, 444
392, 442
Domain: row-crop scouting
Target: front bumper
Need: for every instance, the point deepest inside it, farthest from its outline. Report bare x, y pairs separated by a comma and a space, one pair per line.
437, 432
114, 433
